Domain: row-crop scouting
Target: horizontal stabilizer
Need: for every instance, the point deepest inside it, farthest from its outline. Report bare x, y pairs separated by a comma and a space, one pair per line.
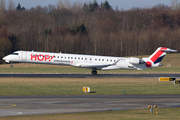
168, 50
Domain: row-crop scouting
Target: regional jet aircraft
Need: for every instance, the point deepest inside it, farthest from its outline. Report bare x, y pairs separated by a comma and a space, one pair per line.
92, 62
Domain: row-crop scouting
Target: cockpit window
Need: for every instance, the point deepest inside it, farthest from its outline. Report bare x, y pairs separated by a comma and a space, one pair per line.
15, 54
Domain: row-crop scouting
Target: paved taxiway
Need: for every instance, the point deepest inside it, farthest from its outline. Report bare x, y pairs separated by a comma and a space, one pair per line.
120, 75
32, 105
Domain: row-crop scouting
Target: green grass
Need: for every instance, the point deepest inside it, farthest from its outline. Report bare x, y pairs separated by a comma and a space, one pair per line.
104, 86
171, 59
82, 70
138, 114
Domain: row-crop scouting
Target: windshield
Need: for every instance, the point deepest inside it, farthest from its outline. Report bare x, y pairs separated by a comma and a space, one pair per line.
15, 54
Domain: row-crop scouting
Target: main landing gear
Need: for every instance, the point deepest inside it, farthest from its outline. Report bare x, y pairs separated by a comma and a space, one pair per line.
94, 72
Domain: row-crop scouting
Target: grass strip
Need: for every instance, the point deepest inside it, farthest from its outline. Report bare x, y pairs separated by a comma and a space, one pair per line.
99, 86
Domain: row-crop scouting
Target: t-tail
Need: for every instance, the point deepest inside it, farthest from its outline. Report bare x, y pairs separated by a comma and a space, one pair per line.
155, 59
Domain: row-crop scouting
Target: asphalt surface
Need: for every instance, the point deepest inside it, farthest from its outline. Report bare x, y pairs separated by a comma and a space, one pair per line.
38, 105
123, 75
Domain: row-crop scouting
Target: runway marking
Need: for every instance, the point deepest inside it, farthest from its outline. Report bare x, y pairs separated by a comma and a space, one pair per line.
144, 100
7, 105
31, 106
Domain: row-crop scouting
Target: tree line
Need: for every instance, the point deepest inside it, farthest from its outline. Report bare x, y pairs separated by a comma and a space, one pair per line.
89, 28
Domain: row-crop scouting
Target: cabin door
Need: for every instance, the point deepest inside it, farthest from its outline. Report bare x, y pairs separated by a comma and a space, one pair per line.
24, 55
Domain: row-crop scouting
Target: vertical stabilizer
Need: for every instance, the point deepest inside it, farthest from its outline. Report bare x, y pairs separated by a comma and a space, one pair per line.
157, 57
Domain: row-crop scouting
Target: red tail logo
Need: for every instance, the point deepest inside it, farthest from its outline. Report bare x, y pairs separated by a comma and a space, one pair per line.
156, 58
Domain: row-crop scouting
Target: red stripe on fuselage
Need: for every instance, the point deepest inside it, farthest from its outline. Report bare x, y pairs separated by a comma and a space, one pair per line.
159, 53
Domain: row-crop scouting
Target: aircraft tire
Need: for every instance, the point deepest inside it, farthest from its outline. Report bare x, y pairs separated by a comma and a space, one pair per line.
94, 72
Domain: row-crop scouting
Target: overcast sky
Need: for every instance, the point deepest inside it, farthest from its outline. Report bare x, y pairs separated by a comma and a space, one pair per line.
125, 4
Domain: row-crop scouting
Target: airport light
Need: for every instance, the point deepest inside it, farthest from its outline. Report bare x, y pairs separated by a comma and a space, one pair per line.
155, 106
151, 110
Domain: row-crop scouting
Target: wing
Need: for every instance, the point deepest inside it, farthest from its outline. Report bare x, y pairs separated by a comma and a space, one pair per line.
92, 66
97, 65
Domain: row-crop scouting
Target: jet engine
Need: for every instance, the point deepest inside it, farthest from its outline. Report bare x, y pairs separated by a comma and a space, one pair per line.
134, 60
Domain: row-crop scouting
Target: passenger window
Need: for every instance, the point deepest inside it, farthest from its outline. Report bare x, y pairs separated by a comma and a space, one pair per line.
95, 59
99, 59
71, 57
64, 57
79, 58
61, 56
102, 59
111, 60
82, 58
68, 57
75, 57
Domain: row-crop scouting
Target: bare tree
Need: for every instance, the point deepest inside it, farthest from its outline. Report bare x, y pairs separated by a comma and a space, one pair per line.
11, 5
175, 4
71, 28
2, 5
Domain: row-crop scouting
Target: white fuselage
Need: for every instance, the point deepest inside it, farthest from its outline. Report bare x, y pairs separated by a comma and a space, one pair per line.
76, 60
90, 61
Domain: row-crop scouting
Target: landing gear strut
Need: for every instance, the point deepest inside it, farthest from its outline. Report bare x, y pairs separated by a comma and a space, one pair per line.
94, 72
11, 65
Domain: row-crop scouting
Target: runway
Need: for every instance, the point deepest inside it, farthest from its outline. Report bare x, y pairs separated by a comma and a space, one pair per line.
38, 105
120, 75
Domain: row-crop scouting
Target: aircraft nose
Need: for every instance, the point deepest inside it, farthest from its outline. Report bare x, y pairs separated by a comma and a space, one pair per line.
6, 59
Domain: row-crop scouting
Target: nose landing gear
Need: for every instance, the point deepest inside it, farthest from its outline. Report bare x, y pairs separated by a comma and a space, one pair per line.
11, 65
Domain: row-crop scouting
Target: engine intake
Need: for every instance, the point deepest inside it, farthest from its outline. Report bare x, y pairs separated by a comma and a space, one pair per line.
134, 60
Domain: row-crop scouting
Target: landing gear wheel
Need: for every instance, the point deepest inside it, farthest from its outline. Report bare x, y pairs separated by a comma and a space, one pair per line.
94, 72
11, 65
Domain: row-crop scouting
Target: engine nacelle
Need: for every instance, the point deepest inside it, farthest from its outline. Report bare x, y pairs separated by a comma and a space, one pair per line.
133, 60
